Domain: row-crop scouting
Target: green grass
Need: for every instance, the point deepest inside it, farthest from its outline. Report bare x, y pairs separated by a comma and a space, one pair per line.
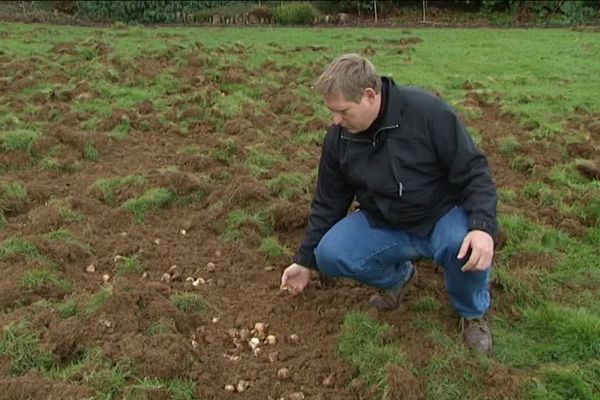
164, 326
12, 196
549, 334
288, 185
68, 308
360, 344
152, 199
38, 279
189, 302
18, 247
98, 300
18, 140
91, 153
191, 150
509, 145
272, 249
225, 151
129, 265
177, 389
426, 304
260, 221
570, 383
64, 235
108, 186
22, 348
65, 211
261, 160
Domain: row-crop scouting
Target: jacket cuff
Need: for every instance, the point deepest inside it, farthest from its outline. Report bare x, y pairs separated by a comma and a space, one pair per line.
306, 261
483, 225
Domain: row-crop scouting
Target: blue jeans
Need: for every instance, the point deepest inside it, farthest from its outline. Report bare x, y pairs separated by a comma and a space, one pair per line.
381, 257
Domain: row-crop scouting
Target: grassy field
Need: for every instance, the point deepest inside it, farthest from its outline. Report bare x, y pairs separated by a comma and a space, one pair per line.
231, 106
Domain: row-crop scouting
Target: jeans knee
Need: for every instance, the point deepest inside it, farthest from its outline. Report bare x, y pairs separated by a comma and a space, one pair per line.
448, 250
326, 258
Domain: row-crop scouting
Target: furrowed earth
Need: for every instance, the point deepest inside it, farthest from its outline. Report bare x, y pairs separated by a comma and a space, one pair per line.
219, 183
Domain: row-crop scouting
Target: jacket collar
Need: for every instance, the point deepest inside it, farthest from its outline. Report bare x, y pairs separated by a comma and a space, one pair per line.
390, 119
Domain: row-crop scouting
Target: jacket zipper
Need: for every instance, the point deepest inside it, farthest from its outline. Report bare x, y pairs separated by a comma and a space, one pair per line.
374, 143
400, 184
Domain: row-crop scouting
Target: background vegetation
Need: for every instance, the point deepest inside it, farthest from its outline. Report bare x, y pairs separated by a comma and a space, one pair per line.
503, 12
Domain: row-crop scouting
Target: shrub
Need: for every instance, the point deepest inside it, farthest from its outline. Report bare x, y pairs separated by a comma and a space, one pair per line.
301, 13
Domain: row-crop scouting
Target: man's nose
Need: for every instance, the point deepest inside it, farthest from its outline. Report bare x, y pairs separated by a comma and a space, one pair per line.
337, 119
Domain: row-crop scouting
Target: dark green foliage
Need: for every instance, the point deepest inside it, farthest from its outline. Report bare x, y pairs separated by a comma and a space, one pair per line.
546, 11
301, 13
145, 11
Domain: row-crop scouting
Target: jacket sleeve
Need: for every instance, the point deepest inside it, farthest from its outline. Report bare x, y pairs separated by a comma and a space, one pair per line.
468, 169
330, 203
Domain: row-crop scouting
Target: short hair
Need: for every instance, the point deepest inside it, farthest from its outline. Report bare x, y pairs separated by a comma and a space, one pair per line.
349, 75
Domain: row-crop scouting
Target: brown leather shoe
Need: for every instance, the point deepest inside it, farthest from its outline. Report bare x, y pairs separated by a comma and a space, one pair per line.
476, 334
389, 299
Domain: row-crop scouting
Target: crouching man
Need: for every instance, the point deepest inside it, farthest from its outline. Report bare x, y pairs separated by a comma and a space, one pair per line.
424, 191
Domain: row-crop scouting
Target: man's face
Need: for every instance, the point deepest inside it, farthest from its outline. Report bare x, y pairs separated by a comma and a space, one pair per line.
352, 116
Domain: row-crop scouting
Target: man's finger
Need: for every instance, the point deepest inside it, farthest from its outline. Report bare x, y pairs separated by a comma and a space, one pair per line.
284, 280
484, 262
464, 248
472, 262
294, 290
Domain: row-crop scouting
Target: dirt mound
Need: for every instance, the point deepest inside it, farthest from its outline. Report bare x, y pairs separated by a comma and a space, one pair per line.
64, 48
34, 386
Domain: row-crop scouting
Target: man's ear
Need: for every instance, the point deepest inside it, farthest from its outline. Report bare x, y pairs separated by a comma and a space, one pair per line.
370, 94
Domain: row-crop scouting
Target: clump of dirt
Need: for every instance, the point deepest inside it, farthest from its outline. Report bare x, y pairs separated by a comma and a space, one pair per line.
589, 169
64, 48
503, 384
34, 386
242, 192
403, 384
235, 75
14, 159
44, 218
236, 126
163, 356
145, 107
63, 251
149, 67
117, 117
182, 183
290, 216
535, 260
280, 101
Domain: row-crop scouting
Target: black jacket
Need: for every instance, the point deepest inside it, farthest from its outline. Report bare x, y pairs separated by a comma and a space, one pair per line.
416, 166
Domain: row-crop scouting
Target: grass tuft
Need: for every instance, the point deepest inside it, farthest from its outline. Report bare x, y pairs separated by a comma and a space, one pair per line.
38, 279
98, 300
22, 348
18, 140
129, 265
361, 345
152, 199
272, 249
238, 219
189, 302
18, 247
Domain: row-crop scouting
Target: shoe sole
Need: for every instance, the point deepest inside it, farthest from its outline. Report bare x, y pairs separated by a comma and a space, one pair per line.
405, 289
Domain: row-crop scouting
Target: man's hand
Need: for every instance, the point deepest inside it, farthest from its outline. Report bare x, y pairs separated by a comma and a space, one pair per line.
482, 251
295, 278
